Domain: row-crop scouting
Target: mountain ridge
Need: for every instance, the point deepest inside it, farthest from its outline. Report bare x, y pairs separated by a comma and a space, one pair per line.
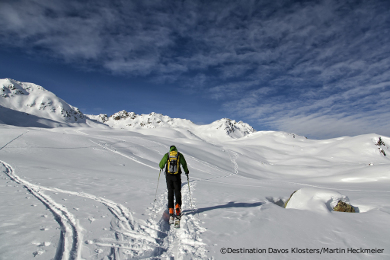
42, 108
130, 120
36, 100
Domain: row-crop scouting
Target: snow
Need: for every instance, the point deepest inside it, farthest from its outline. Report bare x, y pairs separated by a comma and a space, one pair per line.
27, 104
317, 200
96, 187
87, 191
223, 128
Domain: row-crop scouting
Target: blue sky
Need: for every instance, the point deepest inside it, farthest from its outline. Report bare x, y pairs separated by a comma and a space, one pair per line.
314, 68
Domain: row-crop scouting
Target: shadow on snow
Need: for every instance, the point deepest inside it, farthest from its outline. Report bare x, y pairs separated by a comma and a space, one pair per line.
231, 204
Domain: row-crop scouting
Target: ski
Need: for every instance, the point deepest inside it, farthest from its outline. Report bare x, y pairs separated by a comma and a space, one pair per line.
171, 220
177, 222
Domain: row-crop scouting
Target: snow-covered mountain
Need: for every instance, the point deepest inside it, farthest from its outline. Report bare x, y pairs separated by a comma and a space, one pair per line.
31, 99
229, 127
27, 104
129, 120
222, 128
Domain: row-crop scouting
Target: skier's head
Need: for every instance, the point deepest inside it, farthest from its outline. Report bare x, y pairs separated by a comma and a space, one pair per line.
172, 148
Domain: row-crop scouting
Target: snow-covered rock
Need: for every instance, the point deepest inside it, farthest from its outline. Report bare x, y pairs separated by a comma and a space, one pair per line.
102, 118
314, 199
35, 100
130, 120
233, 128
344, 207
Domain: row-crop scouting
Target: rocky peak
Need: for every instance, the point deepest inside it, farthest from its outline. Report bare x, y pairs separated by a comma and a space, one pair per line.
231, 127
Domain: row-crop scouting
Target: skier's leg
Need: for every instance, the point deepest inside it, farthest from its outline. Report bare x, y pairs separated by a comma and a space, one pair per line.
177, 187
170, 187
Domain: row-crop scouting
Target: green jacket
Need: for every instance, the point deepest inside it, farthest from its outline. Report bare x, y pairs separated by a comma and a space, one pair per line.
182, 160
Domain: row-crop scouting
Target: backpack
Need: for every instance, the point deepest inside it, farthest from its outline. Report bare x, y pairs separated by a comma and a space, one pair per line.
173, 162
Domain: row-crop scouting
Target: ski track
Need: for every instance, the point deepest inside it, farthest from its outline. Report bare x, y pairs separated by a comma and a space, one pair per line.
142, 143
14, 139
154, 239
80, 132
213, 167
233, 157
151, 147
132, 239
183, 242
124, 155
168, 241
70, 244
162, 240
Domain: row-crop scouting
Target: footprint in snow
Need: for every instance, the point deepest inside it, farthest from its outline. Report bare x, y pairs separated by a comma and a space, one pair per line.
39, 252
128, 252
41, 244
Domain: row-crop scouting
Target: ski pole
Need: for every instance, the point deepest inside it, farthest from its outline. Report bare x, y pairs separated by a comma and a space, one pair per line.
155, 196
188, 182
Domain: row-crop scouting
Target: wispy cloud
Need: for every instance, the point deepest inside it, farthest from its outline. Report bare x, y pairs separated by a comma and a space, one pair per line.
358, 110
293, 66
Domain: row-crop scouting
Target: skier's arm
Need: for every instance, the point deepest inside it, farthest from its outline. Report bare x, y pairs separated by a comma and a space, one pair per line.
183, 163
163, 161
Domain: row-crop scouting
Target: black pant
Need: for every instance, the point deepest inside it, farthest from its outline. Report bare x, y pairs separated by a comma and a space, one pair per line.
174, 188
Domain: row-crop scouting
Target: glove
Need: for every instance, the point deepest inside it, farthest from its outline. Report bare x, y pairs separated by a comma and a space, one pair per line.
187, 173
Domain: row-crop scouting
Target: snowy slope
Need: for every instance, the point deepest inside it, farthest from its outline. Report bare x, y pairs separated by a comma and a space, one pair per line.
85, 193
34, 100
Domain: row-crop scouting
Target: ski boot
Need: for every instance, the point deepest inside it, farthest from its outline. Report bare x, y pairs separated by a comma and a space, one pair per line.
171, 216
178, 216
